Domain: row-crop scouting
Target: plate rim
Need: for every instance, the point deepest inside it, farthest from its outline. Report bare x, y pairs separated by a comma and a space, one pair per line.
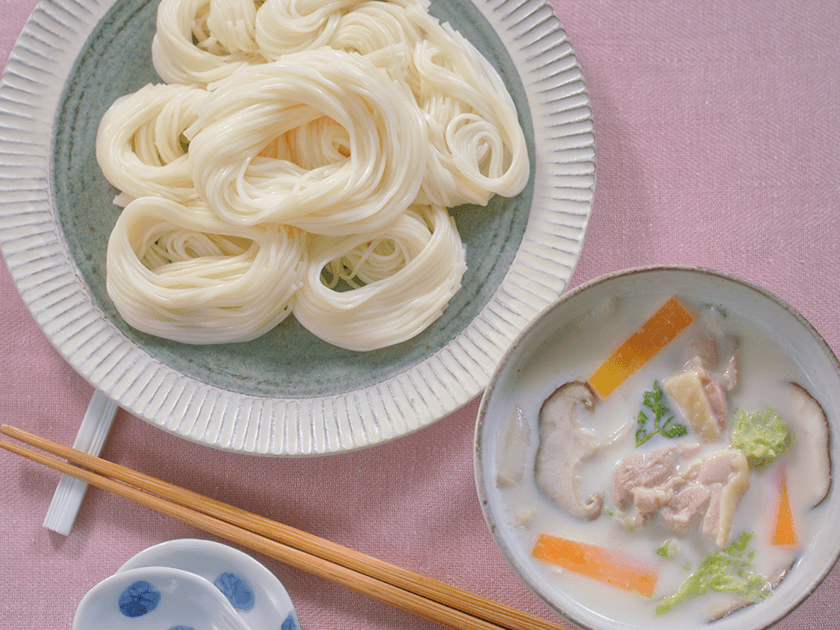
54, 292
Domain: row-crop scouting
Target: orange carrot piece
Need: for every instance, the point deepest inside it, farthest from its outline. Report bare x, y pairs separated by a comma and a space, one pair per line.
596, 563
656, 333
784, 530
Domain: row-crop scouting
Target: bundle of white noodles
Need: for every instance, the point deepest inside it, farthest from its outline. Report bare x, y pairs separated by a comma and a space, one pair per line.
182, 273
412, 269
325, 192
300, 157
139, 147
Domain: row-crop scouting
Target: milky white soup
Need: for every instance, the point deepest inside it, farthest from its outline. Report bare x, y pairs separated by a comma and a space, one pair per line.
764, 373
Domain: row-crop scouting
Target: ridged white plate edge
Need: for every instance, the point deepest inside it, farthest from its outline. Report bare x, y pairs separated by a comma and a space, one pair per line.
53, 290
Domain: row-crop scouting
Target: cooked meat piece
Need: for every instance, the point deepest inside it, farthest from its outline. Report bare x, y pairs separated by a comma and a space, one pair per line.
700, 389
728, 372
716, 396
686, 508
642, 471
717, 467
688, 449
707, 490
705, 350
649, 501
716, 349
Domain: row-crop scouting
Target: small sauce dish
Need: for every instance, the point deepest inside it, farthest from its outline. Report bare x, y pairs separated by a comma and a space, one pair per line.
231, 584
156, 597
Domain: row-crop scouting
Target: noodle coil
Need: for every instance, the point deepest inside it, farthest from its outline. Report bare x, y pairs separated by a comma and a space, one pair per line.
180, 273
409, 288
185, 51
138, 144
362, 191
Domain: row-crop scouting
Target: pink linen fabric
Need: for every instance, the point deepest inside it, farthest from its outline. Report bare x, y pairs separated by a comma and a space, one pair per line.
717, 131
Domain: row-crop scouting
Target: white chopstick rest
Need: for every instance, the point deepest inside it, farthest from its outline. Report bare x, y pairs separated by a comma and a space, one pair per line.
91, 437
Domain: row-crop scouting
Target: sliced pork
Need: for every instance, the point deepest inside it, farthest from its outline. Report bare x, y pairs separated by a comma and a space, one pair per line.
702, 493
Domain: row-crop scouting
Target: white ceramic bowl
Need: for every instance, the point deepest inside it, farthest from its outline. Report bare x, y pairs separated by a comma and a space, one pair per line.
522, 377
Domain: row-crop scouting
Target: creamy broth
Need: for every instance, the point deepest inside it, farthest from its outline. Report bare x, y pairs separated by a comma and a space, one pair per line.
573, 354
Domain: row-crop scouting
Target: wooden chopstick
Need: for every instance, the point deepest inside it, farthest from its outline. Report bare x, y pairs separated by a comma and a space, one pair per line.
386, 582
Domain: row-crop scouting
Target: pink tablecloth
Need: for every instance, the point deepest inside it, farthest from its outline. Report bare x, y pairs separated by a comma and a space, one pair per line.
717, 126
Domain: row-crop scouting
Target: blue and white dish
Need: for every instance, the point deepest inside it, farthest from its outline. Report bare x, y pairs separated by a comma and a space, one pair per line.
156, 597
253, 592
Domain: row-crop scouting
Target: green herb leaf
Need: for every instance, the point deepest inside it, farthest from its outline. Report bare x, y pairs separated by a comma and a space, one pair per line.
653, 401
675, 430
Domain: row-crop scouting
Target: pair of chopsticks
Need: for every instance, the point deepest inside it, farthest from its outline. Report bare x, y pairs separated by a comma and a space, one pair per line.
426, 597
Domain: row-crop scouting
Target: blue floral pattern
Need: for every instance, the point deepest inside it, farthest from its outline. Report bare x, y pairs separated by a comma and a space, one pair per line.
289, 623
138, 599
236, 589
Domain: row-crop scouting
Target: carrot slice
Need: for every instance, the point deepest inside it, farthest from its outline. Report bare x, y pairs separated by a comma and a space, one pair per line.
596, 563
656, 333
784, 530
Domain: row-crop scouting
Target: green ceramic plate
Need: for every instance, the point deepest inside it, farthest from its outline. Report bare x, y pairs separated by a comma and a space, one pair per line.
287, 393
